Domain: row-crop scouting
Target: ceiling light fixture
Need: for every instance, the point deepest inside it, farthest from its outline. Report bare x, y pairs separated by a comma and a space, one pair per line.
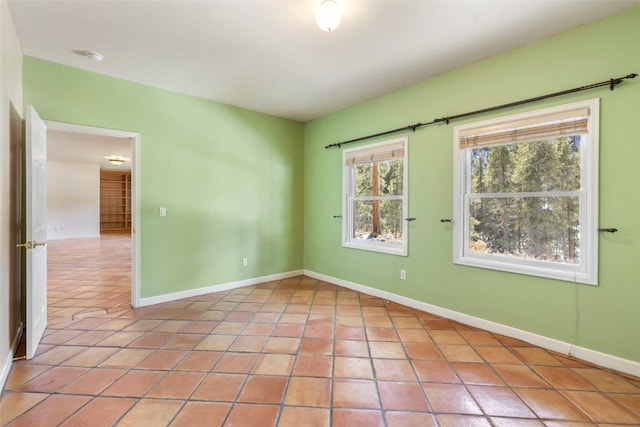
328, 15
115, 160
94, 56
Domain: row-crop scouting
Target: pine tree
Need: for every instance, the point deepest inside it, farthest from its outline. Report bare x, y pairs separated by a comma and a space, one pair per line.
479, 218
375, 186
499, 178
539, 227
363, 187
567, 178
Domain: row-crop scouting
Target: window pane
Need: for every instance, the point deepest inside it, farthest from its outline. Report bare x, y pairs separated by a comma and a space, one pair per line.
388, 175
550, 165
379, 220
540, 228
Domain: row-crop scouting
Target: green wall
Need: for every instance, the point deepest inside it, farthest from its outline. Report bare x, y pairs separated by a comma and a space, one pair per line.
231, 179
603, 318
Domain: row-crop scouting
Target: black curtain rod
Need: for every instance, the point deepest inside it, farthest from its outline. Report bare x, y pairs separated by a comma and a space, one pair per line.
611, 83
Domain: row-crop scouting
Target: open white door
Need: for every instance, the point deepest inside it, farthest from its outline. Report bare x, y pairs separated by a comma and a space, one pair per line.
36, 232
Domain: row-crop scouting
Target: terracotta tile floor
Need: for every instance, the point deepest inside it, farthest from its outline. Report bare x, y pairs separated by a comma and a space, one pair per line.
297, 352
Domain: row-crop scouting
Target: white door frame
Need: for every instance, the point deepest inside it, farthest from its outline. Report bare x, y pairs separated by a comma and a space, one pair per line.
135, 191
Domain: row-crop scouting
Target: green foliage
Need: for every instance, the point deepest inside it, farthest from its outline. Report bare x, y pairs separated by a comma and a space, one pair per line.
543, 227
390, 183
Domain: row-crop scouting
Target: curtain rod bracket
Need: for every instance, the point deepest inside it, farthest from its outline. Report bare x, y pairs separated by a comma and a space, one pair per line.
613, 83
607, 230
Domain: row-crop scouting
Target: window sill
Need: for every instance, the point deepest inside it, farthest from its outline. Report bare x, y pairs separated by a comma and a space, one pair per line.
377, 247
529, 268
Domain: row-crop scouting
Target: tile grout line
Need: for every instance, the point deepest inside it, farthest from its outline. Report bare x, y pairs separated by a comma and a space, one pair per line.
315, 310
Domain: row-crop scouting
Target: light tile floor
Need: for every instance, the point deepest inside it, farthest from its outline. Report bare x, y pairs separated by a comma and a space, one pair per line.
297, 352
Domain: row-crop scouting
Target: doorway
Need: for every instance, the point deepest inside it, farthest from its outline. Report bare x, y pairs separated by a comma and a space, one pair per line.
68, 246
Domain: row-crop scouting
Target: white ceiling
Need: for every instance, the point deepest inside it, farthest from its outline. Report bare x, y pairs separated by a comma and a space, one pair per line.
269, 55
71, 147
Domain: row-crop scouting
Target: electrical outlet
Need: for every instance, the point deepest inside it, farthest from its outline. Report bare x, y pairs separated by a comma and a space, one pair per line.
403, 274
245, 262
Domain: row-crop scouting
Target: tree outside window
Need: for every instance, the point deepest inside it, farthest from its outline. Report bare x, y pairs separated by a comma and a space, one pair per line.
507, 214
375, 198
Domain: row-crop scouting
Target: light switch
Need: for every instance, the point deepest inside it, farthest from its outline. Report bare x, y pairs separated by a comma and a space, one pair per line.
162, 212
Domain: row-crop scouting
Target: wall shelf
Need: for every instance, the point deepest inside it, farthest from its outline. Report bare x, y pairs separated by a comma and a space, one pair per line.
115, 202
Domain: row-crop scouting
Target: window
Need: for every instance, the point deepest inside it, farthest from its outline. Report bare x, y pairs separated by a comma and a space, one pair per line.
526, 193
375, 197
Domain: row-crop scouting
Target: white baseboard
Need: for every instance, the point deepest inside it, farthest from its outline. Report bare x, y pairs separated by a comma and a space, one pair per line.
602, 359
606, 360
72, 237
216, 288
6, 366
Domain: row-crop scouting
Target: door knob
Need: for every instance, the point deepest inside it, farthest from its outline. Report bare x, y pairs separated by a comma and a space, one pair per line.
24, 245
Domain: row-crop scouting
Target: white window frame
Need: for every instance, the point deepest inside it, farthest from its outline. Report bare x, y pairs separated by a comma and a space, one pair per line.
348, 183
586, 271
